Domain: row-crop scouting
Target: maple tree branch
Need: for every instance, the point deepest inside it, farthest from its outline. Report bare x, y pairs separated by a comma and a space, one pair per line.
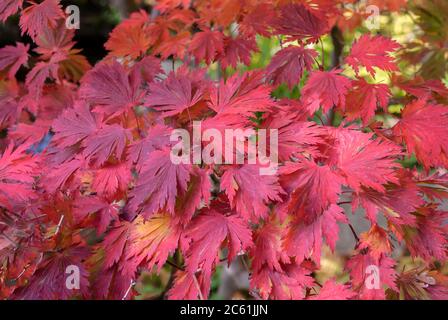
353, 232
337, 39
175, 266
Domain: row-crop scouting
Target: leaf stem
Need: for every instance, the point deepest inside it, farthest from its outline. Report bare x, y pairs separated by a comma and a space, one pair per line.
174, 265
353, 231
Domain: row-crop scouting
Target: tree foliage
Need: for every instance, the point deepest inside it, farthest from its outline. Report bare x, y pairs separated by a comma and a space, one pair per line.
86, 177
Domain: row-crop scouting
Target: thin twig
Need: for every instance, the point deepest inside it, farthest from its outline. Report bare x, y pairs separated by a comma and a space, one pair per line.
323, 53
195, 280
343, 202
245, 264
320, 118
129, 289
22, 272
354, 232
198, 287
174, 265
59, 225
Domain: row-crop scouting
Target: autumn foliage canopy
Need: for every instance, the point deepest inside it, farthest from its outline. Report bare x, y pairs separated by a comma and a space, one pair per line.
86, 177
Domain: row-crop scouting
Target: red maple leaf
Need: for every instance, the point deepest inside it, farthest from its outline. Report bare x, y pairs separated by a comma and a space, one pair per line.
251, 203
364, 99
127, 246
376, 241
149, 67
331, 290
289, 283
206, 45
424, 129
198, 194
174, 94
74, 125
87, 174
49, 281
104, 211
364, 268
110, 179
326, 89
157, 138
158, 184
111, 88
131, 37
153, 240
63, 174
257, 20
39, 16
372, 51
240, 95
188, 286
9, 7
295, 136
310, 185
107, 141
207, 233
363, 161
53, 40
13, 57
299, 23
175, 46
397, 203
237, 50
429, 238
305, 234
267, 249
17, 169
35, 79
287, 65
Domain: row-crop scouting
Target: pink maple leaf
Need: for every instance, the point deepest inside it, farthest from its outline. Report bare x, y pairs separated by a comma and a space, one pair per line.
331, 290
326, 89
364, 99
287, 65
424, 129
206, 45
111, 88
13, 57
158, 184
40, 16
372, 51
251, 203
